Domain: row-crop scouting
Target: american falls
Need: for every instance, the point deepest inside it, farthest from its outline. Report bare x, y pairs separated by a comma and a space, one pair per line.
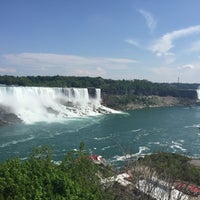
36, 104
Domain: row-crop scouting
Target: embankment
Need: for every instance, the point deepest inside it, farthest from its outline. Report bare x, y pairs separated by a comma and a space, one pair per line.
131, 102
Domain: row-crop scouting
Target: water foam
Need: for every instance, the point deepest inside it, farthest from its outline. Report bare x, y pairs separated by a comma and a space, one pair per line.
35, 104
107, 147
14, 142
140, 153
177, 146
102, 138
136, 130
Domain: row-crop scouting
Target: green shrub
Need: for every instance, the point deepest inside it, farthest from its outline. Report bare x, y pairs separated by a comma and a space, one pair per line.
173, 165
39, 178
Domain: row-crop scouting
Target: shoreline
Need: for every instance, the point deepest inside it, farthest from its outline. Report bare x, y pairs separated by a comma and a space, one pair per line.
153, 101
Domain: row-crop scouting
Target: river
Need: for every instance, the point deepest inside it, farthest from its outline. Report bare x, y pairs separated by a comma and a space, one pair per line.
117, 137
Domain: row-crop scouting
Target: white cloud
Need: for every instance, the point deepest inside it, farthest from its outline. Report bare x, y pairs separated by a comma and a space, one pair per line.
132, 42
50, 60
160, 74
150, 21
7, 70
195, 46
51, 64
188, 73
96, 72
163, 45
187, 67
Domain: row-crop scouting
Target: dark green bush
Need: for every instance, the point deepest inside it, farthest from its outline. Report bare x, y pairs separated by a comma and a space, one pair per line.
39, 178
175, 166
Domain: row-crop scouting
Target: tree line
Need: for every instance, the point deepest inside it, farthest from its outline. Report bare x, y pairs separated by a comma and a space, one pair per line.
108, 86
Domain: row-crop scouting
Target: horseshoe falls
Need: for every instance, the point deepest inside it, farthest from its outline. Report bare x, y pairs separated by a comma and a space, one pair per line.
198, 93
37, 104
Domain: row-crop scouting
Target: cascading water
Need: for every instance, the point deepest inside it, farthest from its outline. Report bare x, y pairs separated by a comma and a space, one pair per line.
198, 93
35, 104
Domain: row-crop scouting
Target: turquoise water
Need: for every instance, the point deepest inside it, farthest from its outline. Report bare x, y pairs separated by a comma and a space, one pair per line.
117, 137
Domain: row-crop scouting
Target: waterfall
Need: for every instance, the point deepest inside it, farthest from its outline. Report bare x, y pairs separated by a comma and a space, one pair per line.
35, 104
198, 93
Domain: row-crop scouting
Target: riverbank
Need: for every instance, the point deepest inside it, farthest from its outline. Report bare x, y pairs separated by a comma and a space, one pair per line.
132, 102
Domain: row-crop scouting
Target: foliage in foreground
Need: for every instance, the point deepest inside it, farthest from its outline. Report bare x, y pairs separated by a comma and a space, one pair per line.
76, 176
174, 166
39, 178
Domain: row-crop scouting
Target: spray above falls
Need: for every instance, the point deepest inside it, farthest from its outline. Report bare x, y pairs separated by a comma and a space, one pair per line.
35, 104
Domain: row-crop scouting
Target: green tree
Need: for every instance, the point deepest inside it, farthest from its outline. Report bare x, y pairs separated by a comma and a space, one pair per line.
40, 178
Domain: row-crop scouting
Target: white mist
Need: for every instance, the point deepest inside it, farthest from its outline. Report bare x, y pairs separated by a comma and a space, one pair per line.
35, 104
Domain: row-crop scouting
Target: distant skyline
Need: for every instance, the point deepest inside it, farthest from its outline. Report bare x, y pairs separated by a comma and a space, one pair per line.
118, 39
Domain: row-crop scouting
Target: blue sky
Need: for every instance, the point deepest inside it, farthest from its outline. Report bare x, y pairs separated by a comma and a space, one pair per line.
119, 39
